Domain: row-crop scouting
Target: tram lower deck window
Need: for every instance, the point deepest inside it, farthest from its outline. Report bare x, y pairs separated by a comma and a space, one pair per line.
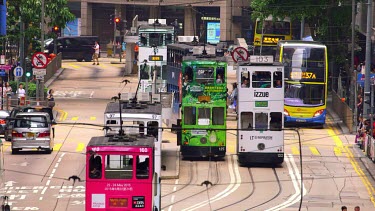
261, 121
218, 116
189, 116
119, 167
246, 120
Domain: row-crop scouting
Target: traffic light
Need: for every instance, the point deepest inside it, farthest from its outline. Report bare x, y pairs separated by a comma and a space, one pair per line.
56, 30
118, 23
111, 19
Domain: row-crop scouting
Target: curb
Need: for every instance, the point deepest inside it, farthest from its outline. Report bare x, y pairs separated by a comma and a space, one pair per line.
112, 62
54, 77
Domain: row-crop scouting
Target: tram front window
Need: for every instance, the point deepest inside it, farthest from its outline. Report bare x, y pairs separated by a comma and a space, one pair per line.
246, 120
218, 116
156, 39
261, 121
189, 116
304, 94
261, 79
205, 75
204, 116
119, 167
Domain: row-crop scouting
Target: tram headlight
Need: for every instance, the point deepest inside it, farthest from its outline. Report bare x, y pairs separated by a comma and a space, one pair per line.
203, 140
261, 146
286, 113
318, 113
212, 137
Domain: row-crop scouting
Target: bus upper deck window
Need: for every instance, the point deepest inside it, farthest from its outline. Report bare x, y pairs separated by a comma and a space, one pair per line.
95, 166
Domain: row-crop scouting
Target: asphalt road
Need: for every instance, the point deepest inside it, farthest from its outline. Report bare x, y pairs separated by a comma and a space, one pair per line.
332, 169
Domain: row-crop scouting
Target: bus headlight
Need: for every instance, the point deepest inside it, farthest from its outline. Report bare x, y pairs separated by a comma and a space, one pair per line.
212, 137
318, 113
286, 113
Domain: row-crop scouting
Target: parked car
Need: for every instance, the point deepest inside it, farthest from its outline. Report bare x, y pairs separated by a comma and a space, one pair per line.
32, 130
16, 110
3, 120
73, 47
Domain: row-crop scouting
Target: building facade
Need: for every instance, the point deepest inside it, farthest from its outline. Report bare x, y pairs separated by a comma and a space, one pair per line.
193, 16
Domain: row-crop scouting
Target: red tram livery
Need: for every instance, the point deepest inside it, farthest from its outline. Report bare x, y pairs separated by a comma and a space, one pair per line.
120, 173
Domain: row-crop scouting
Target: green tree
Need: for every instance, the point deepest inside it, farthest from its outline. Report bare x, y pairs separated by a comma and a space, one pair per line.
329, 20
56, 13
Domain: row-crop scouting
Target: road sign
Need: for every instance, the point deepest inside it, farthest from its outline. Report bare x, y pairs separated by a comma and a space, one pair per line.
39, 60
261, 59
240, 54
40, 77
42, 72
18, 71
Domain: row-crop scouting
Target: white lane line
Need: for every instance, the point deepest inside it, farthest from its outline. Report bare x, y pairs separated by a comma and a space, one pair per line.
48, 182
170, 208
51, 175
92, 93
294, 174
174, 189
44, 190
56, 165
172, 198
235, 181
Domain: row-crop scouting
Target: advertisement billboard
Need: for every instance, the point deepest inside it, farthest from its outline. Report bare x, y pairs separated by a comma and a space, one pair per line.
213, 32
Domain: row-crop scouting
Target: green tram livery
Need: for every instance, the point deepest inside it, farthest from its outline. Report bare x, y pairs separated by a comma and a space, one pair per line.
203, 87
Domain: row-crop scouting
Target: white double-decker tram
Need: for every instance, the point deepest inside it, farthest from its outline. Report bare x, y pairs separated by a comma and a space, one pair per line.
260, 108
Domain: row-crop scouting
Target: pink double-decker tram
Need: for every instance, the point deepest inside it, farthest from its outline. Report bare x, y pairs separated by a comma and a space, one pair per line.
120, 173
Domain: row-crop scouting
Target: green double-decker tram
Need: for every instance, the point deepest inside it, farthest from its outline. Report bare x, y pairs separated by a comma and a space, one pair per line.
203, 88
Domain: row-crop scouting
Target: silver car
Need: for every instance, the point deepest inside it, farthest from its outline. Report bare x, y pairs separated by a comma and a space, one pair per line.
32, 130
3, 121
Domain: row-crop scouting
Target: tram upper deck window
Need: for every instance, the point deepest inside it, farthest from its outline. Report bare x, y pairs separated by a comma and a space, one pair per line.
261, 79
95, 167
277, 79
261, 121
220, 75
246, 120
143, 167
119, 167
155, 39
205, 75
189, 115
218, 116
276, 121
143, 39
245, 79
153, 128
168, 39
204, 116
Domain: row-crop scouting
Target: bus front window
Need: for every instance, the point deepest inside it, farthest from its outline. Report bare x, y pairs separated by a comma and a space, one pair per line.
304, 94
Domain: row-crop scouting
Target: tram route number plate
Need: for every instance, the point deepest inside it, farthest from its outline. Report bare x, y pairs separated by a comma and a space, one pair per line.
138, 202
261, 59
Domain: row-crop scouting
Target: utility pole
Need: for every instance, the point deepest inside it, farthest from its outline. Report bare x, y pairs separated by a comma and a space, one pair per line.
368, 58
353, 71
114, 36
40, 82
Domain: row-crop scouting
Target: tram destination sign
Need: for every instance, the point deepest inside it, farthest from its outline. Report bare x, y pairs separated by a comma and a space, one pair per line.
261, 59
261, 104
156, 58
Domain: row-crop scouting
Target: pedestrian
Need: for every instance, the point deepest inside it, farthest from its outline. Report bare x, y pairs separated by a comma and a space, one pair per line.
359, 106
361, 131
95, 56
344, 208
233, 97
7, 93
21, 93
50, 98
357, 208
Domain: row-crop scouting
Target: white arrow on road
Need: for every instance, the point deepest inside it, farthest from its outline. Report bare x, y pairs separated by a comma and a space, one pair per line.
9, 183
21, 164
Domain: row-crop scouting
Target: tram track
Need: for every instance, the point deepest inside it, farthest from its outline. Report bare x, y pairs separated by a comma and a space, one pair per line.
217, 180
190, 179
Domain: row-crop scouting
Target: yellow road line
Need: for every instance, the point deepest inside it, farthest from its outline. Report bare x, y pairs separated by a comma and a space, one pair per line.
356, 166
5, 147
92, 118
337, 151
295, 150
63, 115
74, 66
57, 146
314, 151
80, 147
75, 118
231, 149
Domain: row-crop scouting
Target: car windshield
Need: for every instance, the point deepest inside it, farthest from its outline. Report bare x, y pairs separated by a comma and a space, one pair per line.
45, 110
31, 122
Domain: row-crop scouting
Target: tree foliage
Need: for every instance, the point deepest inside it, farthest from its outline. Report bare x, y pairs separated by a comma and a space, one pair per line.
29, 11
329, 20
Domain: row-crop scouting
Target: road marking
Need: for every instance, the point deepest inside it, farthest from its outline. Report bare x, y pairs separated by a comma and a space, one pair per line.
74, 66
295, 150
51, 175
57, 146
314, 151
92, 94
231, 149
63, 115
75, 118
80, 147
235, 182
92, 117
337, 151
295, 176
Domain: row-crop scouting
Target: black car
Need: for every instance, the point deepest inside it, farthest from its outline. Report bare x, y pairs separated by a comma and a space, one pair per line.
73, 47
16, 110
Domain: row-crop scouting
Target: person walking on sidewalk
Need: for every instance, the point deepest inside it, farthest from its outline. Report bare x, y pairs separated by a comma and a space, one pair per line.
21, 93
95, 56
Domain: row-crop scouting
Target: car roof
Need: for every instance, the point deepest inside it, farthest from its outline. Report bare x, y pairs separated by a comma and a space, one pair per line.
32, 114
